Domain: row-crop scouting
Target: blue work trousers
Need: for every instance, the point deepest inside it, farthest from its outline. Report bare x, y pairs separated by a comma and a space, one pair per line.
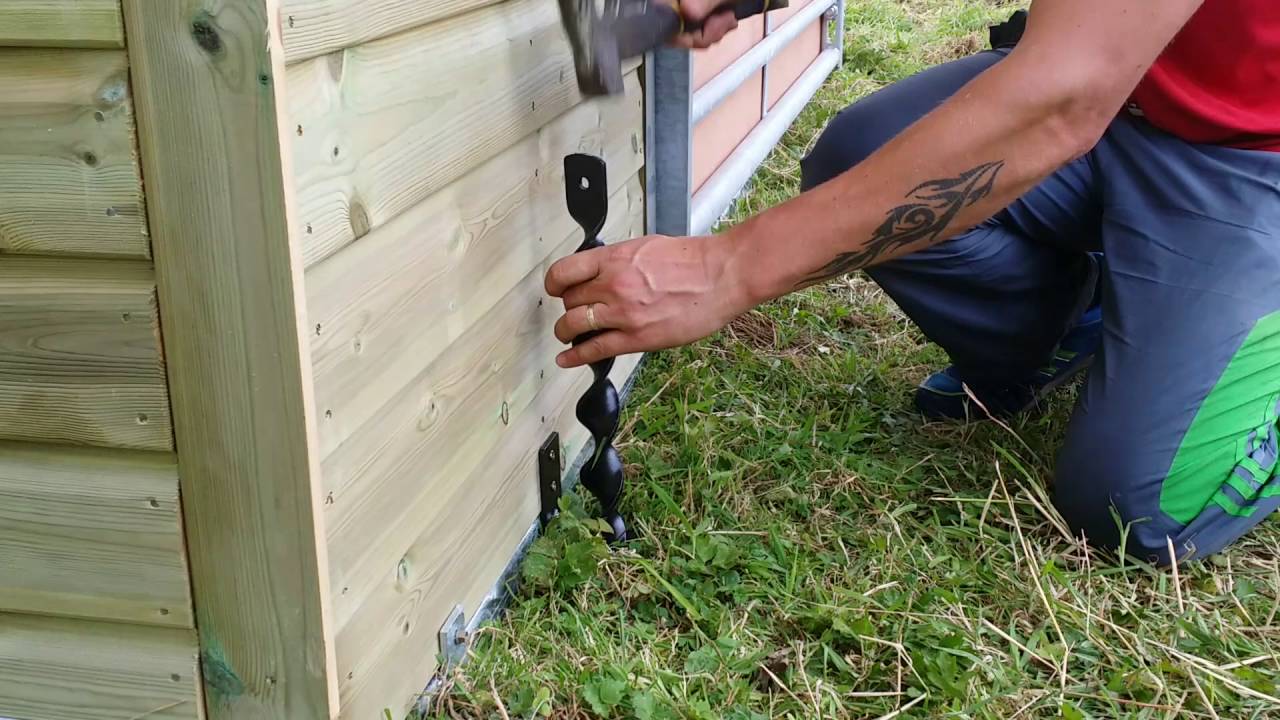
1174, 439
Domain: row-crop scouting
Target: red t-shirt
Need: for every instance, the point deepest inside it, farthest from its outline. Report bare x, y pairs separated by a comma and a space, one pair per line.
1218, 82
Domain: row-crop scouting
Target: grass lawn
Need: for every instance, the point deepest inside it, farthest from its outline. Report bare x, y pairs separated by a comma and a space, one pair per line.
810, 548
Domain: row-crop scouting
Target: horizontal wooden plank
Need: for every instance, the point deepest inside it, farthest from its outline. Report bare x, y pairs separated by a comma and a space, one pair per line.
319, 27
230, 277
468, 496
61, 23
80, 361
465, 564
69, 179
58, 669
93, 534
449, 260
383, 484
382, 126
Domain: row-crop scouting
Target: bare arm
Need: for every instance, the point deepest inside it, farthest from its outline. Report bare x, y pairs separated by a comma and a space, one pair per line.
998, 137
1006, 131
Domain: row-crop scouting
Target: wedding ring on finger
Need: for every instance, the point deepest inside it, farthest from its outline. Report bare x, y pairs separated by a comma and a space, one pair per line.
591, 318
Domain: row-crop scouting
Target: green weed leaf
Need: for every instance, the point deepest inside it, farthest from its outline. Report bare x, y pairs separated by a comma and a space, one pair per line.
702, 660
644, 705
604, 694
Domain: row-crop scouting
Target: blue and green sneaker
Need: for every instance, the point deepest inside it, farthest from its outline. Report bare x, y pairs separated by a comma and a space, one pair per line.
942, 395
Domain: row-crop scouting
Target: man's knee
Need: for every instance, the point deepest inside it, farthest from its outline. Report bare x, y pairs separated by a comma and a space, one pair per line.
1111, 497
844, 143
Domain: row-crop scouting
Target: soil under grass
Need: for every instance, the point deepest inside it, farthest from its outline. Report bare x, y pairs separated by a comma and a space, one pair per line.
810, 548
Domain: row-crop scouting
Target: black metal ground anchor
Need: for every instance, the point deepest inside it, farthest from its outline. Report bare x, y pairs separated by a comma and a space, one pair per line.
587, 194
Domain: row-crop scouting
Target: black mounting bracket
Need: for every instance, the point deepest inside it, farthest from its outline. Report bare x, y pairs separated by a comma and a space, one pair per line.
549, 469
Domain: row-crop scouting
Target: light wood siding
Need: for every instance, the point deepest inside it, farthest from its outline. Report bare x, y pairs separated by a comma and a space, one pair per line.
79, 354
428, 144
69, 181
58, 669
96, 618
92, 534
451, 486
450, 413
393, 301
319, 27
207, 78
382, 126
61, 23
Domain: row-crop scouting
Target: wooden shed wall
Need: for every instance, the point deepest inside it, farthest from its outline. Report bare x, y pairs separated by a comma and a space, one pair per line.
96, 617
427, 148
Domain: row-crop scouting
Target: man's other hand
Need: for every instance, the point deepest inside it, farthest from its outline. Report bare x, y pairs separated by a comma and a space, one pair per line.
651, 293
715, 23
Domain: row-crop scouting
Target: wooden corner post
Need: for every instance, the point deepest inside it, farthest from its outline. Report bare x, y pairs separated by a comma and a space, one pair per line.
206, 79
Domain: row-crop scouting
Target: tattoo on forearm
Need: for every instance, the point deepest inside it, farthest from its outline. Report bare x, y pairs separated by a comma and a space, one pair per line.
933, 207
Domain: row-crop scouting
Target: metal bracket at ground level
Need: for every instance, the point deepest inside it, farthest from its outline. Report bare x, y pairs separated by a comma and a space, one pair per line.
453, 639
550, 468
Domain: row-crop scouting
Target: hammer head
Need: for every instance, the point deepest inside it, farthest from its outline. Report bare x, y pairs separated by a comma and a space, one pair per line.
605, 33
590, 31
595, 55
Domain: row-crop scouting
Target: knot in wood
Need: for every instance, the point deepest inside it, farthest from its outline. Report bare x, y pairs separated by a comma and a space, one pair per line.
206, 36
360, 224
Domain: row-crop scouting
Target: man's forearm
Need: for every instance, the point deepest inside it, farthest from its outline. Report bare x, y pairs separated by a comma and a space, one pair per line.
949, 172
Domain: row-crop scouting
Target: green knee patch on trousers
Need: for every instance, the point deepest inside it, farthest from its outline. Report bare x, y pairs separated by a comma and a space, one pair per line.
1226, 457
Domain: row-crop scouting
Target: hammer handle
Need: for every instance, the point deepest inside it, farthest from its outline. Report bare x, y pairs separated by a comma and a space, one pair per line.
742, 10
657, 21
747, 8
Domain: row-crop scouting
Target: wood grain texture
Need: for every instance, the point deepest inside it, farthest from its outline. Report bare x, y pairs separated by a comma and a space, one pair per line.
59, 669
80, 361
462, 568
319, 27
61, 23
385, 307
449, 412
380, 127
229, 277
69, 179
464, 481
92, 534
